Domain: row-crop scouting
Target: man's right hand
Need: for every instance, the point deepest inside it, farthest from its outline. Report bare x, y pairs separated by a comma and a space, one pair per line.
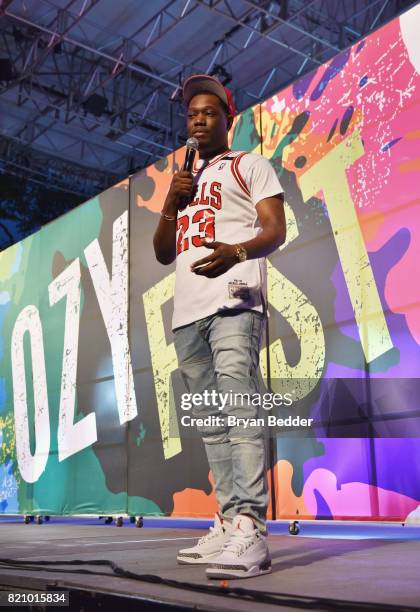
179, 194
181, 188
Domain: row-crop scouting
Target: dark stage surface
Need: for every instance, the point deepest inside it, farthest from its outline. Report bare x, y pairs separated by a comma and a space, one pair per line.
356, 563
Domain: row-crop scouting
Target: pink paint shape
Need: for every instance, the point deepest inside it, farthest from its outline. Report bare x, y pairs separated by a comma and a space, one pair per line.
355, 500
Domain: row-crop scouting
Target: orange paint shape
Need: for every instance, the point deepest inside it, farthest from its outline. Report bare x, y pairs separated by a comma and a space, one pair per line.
124, 183
288, 505
310, 143
195, 503
370, 224
161, 178
410, 165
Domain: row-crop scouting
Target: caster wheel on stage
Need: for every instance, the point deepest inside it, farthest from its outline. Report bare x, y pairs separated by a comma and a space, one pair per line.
39, 520
108, 520
27, 519
139, 521
294, 528
132, 519
119, 521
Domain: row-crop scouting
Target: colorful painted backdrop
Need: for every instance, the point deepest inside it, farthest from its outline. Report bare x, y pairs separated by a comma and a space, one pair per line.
88, 372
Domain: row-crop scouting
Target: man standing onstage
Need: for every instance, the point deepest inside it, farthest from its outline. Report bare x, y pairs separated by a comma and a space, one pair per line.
220, 222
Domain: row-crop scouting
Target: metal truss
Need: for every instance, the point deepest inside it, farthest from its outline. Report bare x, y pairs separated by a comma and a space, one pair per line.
60, 74
78, 90
49, 170
252, 21
223, 48
260, 30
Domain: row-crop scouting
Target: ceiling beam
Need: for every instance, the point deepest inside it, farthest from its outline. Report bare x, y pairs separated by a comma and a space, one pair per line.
288, 23
241, 22
80, 45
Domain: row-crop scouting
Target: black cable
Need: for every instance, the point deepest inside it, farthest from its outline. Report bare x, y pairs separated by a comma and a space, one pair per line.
286, 599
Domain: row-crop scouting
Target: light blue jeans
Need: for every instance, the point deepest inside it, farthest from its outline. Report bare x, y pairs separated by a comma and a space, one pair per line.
221, 352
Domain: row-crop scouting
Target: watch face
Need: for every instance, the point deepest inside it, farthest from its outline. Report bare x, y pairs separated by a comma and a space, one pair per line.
242, 254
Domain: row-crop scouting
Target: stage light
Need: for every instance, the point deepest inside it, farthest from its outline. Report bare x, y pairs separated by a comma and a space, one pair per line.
112, 135
7, 71
221, 73
18, 35
96, 105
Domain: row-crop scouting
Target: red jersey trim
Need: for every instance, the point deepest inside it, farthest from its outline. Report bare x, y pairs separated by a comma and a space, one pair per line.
218, 158
238, 176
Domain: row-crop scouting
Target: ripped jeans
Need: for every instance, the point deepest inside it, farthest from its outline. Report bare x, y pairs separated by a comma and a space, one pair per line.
221, 352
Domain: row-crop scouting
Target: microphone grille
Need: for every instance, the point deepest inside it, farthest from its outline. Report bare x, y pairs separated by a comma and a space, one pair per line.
192, 143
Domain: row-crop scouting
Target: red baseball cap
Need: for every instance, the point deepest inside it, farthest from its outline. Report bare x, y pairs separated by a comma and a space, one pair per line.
197, 83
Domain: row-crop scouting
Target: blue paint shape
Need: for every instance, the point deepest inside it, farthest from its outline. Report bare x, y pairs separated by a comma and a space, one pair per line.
396, 458
9, 465
3, 505
363, 80
332, 130
3, 394
300, 161
390, 144
346, 120
332, 70
301, 87
323, 512
18, 260
3, 312
360, 47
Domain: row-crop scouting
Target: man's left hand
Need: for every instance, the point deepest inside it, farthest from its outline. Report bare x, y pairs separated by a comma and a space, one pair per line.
222, 259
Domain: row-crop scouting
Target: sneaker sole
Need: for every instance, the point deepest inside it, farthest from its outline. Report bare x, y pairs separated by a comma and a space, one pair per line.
255, 570
191, 561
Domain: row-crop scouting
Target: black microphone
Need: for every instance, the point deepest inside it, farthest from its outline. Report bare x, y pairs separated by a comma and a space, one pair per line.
192, 147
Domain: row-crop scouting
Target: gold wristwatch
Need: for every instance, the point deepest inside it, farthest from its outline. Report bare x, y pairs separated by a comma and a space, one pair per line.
240, 253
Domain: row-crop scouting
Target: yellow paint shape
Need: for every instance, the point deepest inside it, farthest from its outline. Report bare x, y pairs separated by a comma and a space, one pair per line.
329, 176
303, 318
164, 362
7, 260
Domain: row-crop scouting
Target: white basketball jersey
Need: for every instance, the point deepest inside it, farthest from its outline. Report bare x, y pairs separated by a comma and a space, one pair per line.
226, 190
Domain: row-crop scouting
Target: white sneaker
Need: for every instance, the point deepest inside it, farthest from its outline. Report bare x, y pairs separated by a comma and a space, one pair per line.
209, 546
245, 553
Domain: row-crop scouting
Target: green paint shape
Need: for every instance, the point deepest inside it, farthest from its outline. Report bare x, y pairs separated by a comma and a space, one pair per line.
246, 137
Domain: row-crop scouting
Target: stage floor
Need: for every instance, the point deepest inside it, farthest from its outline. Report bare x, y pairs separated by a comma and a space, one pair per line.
356, 563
